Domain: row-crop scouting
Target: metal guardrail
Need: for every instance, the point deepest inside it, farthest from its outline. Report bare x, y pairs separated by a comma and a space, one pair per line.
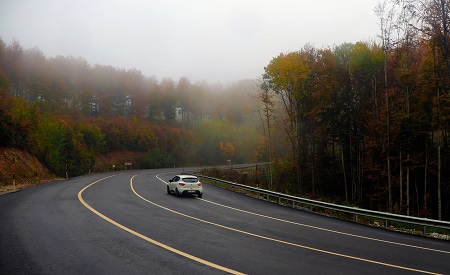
335, 207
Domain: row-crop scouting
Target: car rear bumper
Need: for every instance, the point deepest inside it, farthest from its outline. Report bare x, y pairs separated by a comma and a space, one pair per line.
190, 191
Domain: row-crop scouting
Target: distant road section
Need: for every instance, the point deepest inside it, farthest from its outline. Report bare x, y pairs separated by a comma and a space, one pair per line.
126, 223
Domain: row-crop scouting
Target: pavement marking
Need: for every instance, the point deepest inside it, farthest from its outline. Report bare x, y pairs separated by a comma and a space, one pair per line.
276, 240
327, 230
181, 253
322, 229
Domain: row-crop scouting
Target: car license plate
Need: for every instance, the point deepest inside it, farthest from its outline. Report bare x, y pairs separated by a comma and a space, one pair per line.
191, 191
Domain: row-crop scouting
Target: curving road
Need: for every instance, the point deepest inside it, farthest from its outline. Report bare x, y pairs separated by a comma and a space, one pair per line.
126, 223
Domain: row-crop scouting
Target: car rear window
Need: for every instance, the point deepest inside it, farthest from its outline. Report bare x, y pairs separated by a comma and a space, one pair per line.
190, 179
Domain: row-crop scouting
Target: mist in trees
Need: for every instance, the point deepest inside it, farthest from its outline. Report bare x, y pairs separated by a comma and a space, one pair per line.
67, 112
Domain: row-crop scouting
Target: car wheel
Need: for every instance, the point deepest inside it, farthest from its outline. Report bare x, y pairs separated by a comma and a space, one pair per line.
168, 190
200, 196
176, 192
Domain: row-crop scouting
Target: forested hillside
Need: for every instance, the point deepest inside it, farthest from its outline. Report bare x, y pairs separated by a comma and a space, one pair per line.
80, 117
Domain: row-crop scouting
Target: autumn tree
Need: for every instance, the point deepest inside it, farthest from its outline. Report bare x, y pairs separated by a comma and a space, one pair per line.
226, 150
13, 64
323, 114
169, 101
266, 108
288, 75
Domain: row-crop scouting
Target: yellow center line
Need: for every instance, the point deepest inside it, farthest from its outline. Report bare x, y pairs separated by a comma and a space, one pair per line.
276, 240
181, 253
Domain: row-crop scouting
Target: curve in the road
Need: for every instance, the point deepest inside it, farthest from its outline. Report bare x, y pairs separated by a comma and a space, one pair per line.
137, 234
280, 241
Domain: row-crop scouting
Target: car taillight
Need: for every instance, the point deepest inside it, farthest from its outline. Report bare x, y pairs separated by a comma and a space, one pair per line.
199, 184
181, 184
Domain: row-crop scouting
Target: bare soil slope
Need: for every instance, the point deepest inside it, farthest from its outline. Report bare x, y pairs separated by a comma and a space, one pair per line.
26, 168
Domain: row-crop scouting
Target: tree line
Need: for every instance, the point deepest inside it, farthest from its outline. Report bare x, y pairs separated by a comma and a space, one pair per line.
60, 83
67, 112
368, 122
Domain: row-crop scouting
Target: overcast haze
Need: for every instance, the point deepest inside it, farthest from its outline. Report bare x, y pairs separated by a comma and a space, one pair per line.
216, 41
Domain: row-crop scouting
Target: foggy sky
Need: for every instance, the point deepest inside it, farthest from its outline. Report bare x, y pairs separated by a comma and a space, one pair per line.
212, 40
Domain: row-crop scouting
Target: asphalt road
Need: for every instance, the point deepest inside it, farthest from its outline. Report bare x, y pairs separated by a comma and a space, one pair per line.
126, 223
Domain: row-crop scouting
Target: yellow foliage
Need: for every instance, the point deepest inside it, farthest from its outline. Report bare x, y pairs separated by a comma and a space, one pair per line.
289, 72
226, 149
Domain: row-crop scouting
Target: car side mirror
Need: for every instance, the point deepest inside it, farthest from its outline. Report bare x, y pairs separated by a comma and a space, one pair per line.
170, 180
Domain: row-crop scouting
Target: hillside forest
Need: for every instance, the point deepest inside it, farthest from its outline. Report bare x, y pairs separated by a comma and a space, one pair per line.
66, 111
363, 124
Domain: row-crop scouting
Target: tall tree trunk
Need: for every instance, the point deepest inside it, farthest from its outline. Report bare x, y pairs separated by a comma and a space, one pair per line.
361, 176
269, 130
313, 175
439, 184
425, 179
345, 176
388, 158
333, 146
270, 156
416, 184
352, 168
407, 186
299, 159
401, 183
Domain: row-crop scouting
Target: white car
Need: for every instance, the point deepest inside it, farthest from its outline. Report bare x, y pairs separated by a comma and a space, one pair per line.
185, 184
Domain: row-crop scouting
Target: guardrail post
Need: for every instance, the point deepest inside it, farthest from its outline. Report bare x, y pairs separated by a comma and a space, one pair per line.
386, 223
279, 200
425, 230
356, 218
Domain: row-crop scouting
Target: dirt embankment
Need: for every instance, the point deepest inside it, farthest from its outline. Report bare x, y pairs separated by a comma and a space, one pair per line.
24, 167
28, 171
